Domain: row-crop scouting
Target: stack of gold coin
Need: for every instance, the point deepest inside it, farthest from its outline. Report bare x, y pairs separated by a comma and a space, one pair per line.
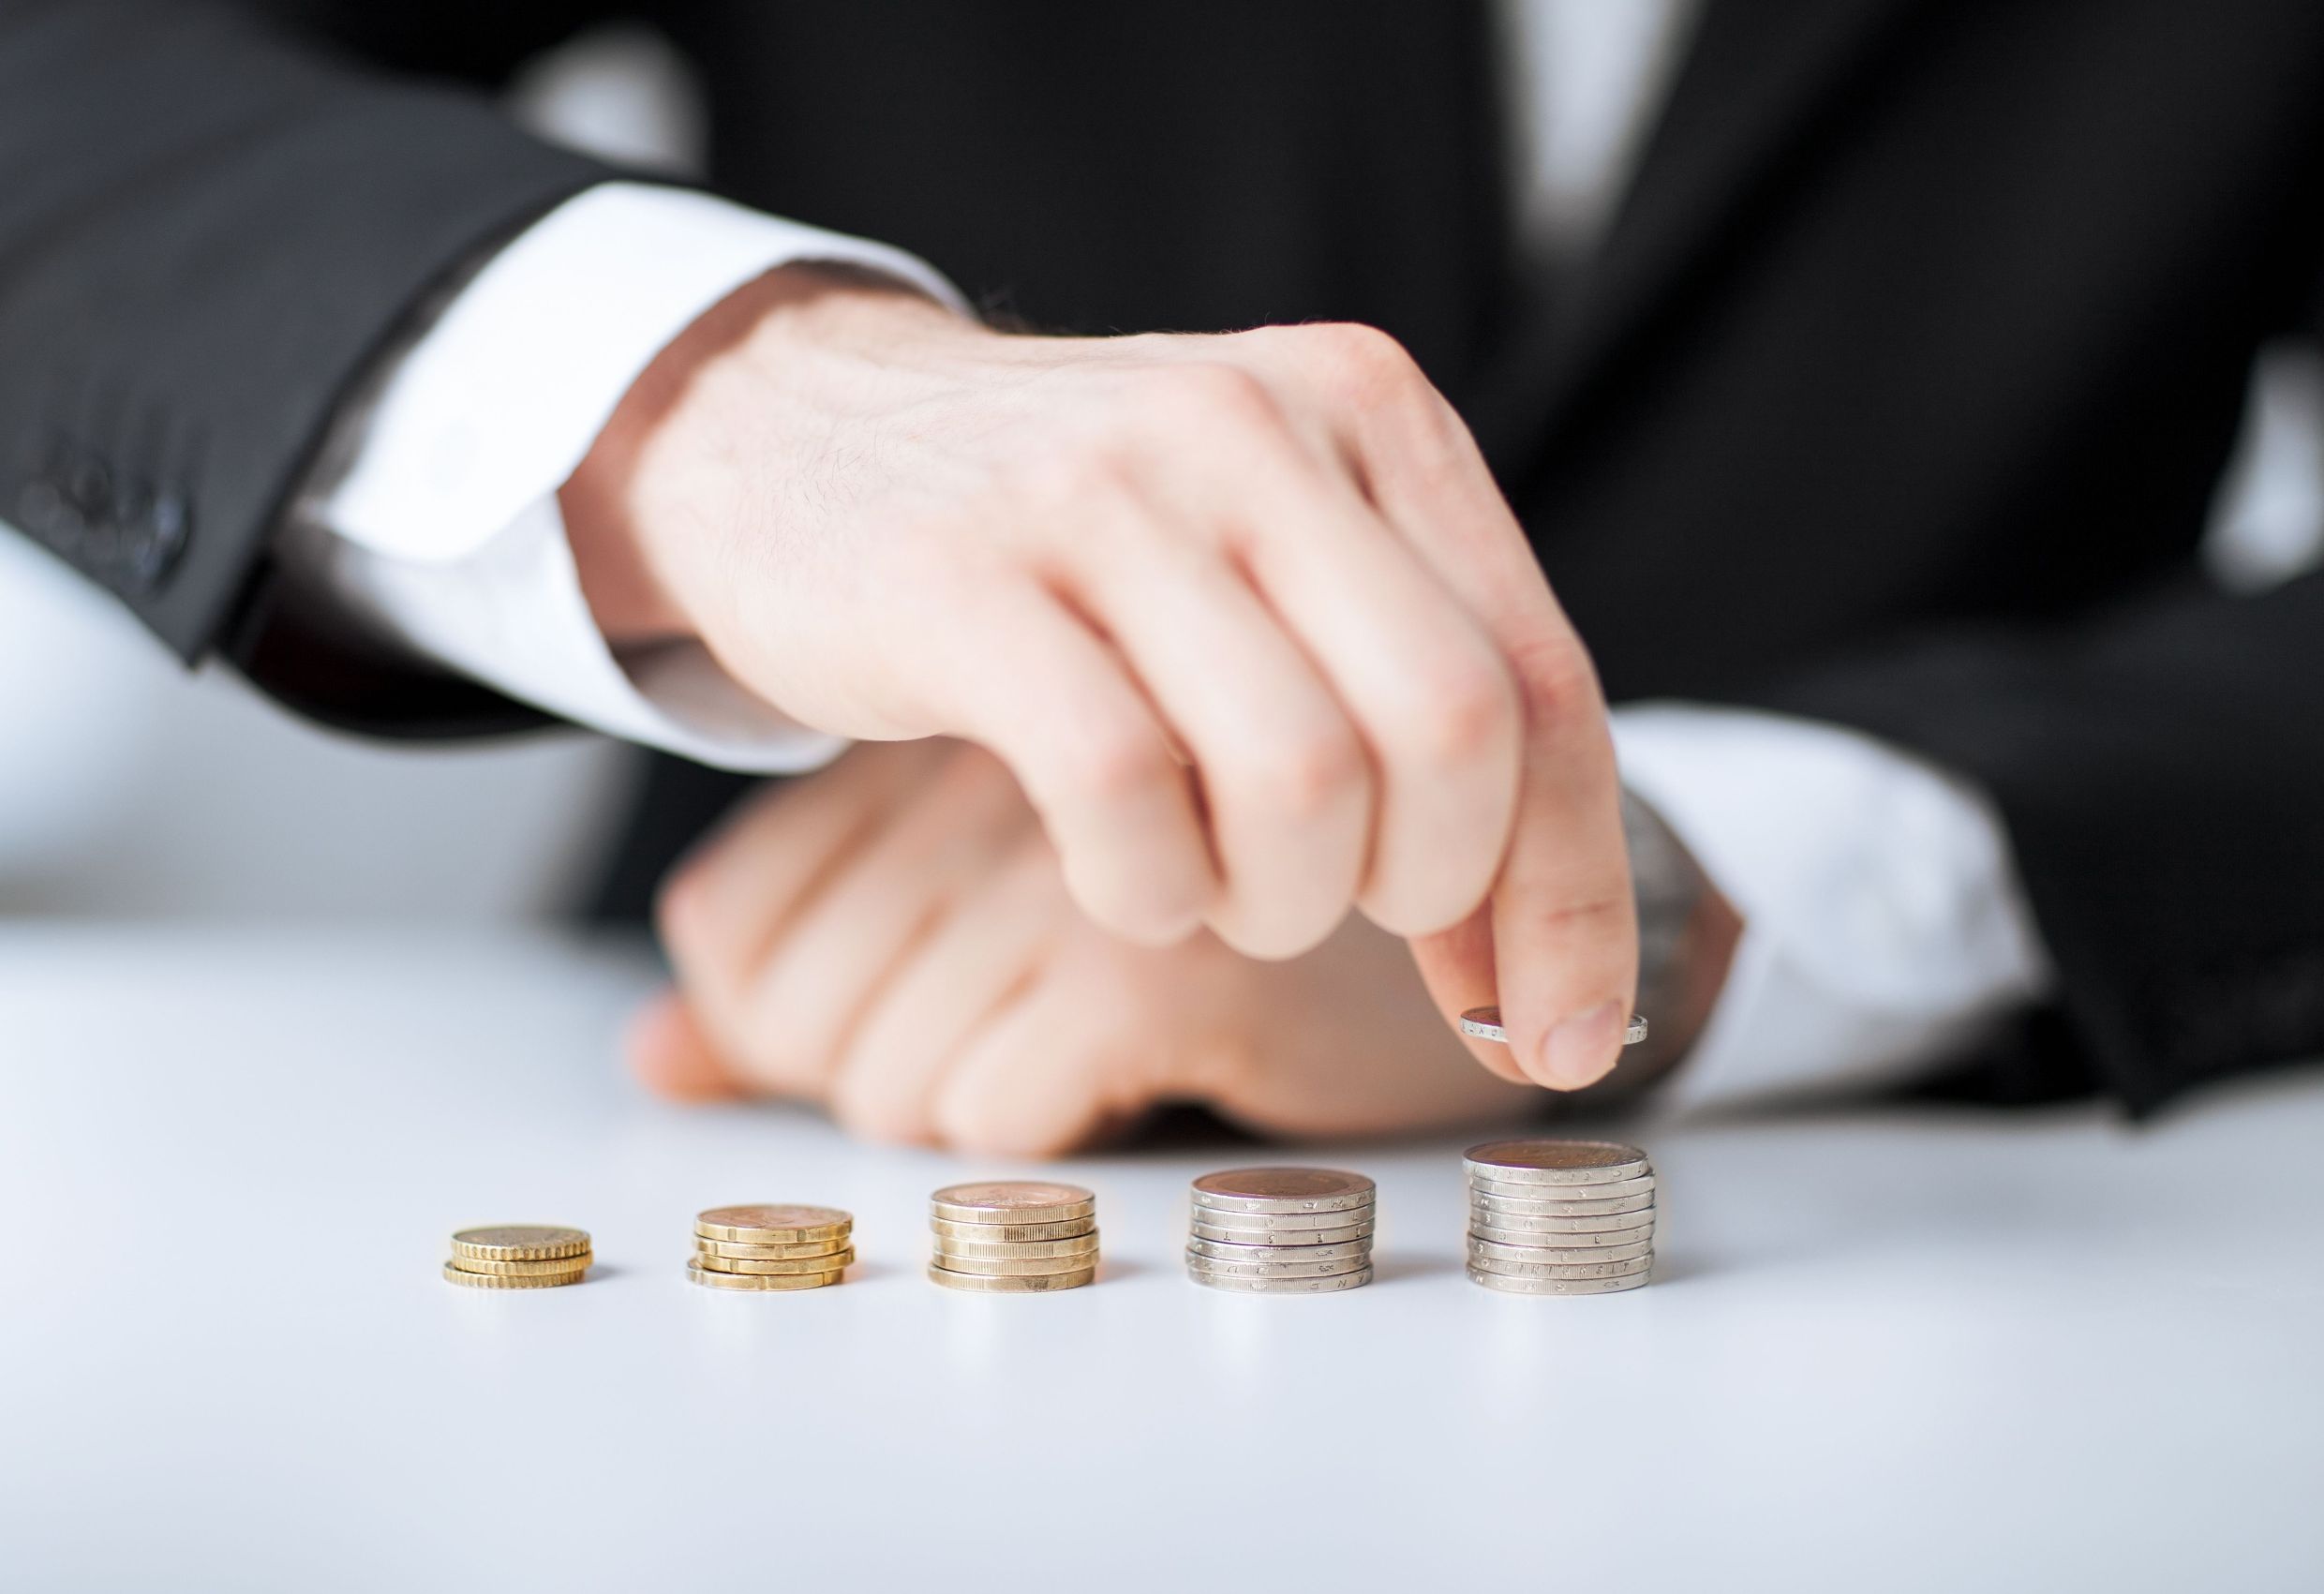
1559, 1217
518, 1256
773, 1246
1285, 1231
1010, 1237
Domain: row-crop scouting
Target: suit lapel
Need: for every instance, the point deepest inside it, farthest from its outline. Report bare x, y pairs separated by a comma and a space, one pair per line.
1760, 78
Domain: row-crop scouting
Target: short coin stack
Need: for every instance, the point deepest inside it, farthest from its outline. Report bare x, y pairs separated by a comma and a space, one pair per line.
518, 1256
1013, 1238
1286, 1231
1559, 1217
774, 1247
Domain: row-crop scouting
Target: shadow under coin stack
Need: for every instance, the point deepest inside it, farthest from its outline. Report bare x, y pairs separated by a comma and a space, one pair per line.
775, 1246
518, 1256
1559, 1217
1282, 1231
1013, 1238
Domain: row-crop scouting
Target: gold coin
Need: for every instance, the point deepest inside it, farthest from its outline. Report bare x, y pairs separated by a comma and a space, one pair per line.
773, 1266
1014, 1233
546, 1268
718, 1280
512, 1280
1012, 1200
773, 1225
779, 1248
1017, 1250
1010, 1283
998, 1267
519, 1243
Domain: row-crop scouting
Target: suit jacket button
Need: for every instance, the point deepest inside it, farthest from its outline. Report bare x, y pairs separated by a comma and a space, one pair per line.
167, 527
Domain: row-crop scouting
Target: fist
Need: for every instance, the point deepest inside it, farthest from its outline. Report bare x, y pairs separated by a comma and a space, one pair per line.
893, 939
1244, 616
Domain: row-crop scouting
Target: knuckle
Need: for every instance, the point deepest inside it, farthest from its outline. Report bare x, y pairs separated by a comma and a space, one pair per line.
1366, 357
1062, 484
1274, 938
1590, 916
1307, 776
1154, 919
1470, 714
1422, 896
1204, 397
1556, 670
1115, 770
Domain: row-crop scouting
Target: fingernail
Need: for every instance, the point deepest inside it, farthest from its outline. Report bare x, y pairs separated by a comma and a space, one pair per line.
1580, 1051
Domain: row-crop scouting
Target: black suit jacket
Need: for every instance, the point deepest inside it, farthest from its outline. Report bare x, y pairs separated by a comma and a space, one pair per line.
1895, 395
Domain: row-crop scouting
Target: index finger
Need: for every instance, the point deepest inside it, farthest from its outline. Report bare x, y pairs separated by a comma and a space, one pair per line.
1565, 922
1558, 948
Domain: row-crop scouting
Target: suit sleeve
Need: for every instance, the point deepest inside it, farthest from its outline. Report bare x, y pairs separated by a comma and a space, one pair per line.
210, 227
2160, 771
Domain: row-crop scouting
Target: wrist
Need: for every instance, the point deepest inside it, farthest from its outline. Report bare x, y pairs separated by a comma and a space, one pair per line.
670, 472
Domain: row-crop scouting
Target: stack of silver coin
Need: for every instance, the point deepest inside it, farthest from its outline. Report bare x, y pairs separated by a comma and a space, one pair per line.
1559, 1217
1283, 1230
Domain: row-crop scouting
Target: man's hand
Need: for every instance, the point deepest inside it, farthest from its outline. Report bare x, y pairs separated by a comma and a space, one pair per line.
892, 938
1246, 615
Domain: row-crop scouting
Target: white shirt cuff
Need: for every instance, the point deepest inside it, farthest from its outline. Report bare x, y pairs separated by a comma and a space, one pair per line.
1884, 925
444, 531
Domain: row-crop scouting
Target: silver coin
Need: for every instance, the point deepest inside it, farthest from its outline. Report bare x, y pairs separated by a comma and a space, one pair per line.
1510, 1284
1282, 1222
1569, 1255
1223, 1251
1530, 1223
1355, 1280
1640, 1234
1197, 1262
1283, 1190
1560, 1270
1486, 1024
1610, 1190
1224, 1236
1554, 1162
1479, 1201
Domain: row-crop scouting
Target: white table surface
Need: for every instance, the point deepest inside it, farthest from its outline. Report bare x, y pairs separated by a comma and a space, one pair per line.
1888, 1351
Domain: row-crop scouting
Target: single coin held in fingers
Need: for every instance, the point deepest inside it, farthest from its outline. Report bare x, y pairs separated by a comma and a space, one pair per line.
1486, 1024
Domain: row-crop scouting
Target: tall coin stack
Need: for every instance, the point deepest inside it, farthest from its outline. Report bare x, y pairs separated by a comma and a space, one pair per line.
518, 1256
1013, 1238
1559, 1217
1289, 1231
774, 1247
